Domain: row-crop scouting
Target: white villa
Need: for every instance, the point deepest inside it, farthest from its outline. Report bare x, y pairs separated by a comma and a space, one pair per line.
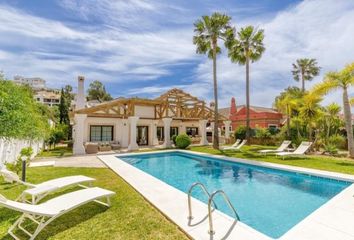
134, 122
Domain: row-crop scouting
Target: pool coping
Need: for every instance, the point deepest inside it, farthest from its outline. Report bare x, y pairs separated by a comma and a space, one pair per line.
318, 225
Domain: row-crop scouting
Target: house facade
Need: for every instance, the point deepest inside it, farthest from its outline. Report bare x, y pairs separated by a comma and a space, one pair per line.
260, 117
136, 122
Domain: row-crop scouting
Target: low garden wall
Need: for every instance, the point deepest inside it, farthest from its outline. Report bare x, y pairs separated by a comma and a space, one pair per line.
10, 148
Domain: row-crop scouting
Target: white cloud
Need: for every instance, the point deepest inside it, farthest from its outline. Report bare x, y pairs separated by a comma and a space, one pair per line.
135, 42
320, 29
114, 54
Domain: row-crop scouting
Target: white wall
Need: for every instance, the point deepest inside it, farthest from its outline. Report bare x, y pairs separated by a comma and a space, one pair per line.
10, 149
121, 127
144, 111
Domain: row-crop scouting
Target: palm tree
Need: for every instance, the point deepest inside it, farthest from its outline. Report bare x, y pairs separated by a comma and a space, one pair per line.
247, 47
331, 118
210, 29
310, 110
287, 102
341, 80
305, 70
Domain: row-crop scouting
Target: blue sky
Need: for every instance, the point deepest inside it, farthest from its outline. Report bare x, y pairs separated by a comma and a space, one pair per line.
144, 47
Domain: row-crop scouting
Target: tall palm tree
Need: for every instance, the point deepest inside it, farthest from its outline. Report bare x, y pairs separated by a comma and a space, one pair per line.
341, 80
208, 30
305, 69
247, 47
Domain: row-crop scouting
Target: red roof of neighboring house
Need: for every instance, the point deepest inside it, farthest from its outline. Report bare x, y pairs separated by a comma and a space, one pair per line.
259, 116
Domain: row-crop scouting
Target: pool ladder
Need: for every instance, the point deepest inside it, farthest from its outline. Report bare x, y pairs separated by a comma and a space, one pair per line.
211, 230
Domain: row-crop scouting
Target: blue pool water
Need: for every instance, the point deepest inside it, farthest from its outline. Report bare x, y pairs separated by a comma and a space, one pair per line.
269, 200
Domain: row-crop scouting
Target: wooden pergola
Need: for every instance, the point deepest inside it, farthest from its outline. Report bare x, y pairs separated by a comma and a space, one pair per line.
175, 104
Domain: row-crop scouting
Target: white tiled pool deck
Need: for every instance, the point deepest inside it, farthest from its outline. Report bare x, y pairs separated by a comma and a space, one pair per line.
334, 220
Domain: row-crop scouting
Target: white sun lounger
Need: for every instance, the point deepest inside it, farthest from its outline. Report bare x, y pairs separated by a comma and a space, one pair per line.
44, 213
238, 147
300, 151
39, 191
237, 142
281, 148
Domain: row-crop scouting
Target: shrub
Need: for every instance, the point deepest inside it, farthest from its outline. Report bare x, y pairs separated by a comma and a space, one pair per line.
57, 134
16, 166
338, 141
174, 139
240, 132
330, 149
273, 130
262, 133
183, 141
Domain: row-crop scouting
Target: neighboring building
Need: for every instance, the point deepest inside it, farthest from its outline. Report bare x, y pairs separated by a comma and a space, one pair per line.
260, 117
35, 82
42, 94
135, 122
48, 97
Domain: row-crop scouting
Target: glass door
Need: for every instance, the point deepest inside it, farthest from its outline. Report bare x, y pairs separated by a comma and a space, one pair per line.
142, 136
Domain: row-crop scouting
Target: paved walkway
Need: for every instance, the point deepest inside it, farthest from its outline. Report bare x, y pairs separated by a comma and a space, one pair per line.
89, 161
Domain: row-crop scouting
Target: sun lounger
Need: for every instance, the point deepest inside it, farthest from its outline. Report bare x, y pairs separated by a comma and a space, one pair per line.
238, 147
281, 148
236, 143
39, 191
44, 213
300, 151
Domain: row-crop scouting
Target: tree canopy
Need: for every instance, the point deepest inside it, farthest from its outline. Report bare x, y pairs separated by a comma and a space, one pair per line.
305, 69
97, 91
20, 115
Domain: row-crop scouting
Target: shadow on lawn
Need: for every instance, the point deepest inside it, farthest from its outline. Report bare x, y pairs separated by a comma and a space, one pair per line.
64, 222
69, 220
345, 164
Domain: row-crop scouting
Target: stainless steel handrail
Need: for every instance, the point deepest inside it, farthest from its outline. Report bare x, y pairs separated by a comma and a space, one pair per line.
211, 227
190, 216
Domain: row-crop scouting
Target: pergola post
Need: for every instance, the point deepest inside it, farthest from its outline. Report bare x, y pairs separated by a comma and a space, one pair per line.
167, 125
78, 134
227, 129
212, 125
132, 141
155, 140
202, 127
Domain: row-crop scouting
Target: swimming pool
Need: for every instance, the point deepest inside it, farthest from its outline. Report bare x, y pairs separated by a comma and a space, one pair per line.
269, 200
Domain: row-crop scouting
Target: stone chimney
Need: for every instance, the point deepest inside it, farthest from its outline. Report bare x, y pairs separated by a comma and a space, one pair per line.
80, 97
233, 109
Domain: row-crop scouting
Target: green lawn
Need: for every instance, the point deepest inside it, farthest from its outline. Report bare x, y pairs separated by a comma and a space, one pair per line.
57, 152
342, 165
129, 217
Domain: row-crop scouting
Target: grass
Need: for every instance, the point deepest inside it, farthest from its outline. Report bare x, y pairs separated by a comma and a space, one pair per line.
341, 165
129, 217
61, 151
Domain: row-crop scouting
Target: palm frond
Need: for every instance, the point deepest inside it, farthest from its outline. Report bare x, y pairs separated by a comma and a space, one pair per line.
248, 44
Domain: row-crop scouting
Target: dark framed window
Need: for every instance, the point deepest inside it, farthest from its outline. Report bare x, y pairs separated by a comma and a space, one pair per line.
192, 131
100, 133
142, 136
160, 133
173, 131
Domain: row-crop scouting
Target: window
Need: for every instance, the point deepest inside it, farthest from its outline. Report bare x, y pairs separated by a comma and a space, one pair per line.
101, 133
192, 131
173, 131
160, 134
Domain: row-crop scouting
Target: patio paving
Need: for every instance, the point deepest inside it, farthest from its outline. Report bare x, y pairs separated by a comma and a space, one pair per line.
89, 161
